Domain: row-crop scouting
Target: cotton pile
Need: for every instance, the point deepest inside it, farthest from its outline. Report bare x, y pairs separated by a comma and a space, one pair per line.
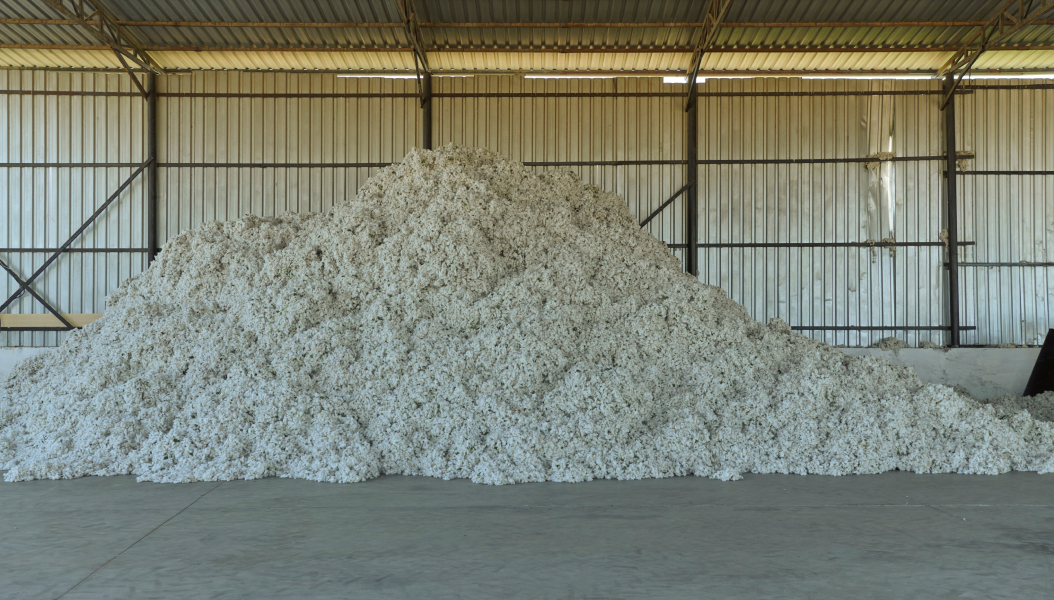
463, 317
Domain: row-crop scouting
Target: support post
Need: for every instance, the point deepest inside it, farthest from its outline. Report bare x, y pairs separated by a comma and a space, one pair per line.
151, 173
953, 212
426, 110
691, 257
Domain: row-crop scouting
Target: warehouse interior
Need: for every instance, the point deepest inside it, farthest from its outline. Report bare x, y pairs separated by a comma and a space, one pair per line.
877, 175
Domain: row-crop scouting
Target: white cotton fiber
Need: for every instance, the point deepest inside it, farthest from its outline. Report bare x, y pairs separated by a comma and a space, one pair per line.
463, 317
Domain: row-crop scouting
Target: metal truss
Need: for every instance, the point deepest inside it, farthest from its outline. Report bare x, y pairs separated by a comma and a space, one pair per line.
715, 13
90, 15
995, 30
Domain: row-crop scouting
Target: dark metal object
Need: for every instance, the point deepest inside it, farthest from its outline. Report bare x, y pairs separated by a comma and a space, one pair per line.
1005, 173
1042, 378
875, 328
64, 93
426, 111
25, 284
662, 206
1003, 264
998, 28
715, 13
691, 233
1002, 86
953, 212
31, 165
82, 250
282, 165
151, 173
818, 161
821, 245
95, 19
14, 329
263, 95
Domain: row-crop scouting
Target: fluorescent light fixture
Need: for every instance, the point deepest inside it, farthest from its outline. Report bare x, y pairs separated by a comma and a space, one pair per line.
570, 76
381, 76
863, 76
681, 79
1011, 76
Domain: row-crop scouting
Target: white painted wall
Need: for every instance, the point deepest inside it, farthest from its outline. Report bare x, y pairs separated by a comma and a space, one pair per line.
983, 372
9, 357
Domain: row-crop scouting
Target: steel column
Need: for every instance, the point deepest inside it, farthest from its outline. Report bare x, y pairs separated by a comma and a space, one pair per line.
953, 212
691, 258
426, 111
151, 172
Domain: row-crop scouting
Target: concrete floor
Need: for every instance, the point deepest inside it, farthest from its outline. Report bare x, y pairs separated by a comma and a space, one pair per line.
895, 535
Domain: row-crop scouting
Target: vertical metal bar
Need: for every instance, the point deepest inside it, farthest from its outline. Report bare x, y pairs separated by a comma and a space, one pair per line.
691, 257
426, 110
953, 218
151, 172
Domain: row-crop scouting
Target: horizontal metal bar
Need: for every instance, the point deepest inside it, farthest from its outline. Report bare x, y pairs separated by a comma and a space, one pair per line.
817, 161
1003, 86
265, 96
65, 93
13, 329
240, 165
821, 245
613, 94
581, 163
84, 250
1004, 264
1005, 172
601, 163
30, 165
876, 328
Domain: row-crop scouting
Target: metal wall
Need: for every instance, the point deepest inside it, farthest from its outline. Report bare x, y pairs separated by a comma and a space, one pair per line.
1007, 205
274, 118
778, 235
789, 208
50, 183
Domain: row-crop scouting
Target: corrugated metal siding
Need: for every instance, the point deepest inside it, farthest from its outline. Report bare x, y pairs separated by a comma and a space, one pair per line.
43, 206
256, 130
567, 129
1011, 217
822, 203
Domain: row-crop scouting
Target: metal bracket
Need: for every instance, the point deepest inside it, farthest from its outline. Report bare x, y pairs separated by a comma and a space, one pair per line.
408, 14
715, 13
90, 15
995, 30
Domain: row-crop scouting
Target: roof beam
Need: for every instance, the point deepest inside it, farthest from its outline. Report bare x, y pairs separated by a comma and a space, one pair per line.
998, 28
523, 25
91, 16
715, 13
507, 50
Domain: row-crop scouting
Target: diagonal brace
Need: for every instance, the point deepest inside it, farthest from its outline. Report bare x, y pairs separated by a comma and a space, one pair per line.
662, 206
23, 286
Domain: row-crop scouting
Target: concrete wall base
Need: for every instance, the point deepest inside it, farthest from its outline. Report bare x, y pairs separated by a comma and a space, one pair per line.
983, 372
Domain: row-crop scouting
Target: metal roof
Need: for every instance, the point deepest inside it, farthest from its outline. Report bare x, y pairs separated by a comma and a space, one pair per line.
642, 36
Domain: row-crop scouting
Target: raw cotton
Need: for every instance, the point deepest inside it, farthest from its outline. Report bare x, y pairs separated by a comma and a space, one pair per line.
463, 317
